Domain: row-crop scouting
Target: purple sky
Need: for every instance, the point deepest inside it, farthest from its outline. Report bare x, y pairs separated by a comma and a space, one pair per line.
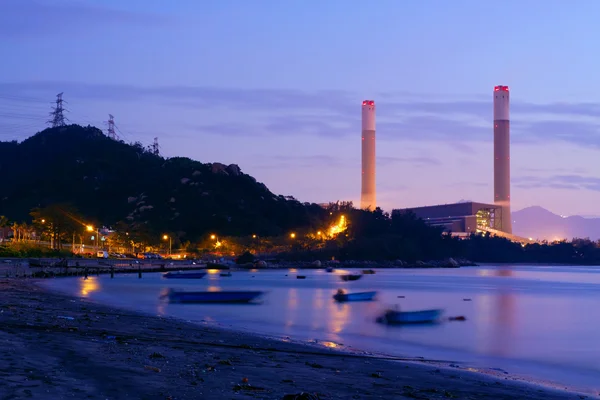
276, 87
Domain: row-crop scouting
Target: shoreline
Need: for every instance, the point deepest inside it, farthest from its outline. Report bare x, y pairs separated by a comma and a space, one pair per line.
108, 352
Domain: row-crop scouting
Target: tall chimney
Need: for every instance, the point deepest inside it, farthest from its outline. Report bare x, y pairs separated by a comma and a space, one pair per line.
368, 198
502, 155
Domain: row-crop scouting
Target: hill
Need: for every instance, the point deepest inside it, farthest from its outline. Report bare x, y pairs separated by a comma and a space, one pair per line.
113, 183
539, 223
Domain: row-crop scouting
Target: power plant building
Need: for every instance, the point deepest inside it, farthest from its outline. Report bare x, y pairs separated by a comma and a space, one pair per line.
467, 217
368, 197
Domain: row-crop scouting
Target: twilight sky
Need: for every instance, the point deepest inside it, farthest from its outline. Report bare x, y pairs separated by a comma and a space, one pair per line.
276, 86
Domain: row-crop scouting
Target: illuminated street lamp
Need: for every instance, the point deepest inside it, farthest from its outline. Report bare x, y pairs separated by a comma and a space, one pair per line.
165, 237
213, 237
90, 228
292, 235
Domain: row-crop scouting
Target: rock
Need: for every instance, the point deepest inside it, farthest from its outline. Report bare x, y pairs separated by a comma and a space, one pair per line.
233, 170
316, 263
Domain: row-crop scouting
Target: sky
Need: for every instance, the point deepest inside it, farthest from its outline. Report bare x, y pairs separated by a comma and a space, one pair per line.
276, 87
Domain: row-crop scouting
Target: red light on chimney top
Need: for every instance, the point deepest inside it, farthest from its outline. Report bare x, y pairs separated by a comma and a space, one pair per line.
364, 103
502, 88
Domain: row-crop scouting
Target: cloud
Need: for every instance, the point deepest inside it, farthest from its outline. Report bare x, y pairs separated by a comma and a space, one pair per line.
336, 113
418, 161
314, 161
569, 182
35, 18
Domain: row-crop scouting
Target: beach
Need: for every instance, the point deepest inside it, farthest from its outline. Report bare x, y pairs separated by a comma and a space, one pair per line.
59, 347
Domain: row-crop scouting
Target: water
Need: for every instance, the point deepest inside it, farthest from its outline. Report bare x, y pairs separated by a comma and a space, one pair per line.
537, 322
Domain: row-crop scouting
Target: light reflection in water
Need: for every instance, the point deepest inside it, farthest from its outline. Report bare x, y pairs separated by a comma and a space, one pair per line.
338, 318
213, 288
89, 285
292, 305
503, 323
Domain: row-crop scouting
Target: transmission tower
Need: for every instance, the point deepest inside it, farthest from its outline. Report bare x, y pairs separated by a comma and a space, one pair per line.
57, 117
111, 128
155, 150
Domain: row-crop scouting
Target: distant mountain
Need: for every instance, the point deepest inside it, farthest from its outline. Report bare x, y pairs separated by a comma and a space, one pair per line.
538, 223
112, 182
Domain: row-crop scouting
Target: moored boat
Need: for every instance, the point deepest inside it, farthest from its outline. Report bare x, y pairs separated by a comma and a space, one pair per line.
368, 271
212, 297
329, 269
393, 317
225, 273
184, 275
300, 276
341, 297
350, 277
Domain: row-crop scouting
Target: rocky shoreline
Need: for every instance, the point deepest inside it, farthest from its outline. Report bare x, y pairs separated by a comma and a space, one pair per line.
446, 263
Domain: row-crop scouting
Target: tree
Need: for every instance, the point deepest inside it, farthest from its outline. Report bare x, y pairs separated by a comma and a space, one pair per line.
58, 222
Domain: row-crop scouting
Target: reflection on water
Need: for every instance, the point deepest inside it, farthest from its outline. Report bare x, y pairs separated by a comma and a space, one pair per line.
88, 285
503, 323
519, 314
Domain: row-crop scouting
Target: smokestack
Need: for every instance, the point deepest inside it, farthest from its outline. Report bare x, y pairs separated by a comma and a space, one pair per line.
502, 155
367, 194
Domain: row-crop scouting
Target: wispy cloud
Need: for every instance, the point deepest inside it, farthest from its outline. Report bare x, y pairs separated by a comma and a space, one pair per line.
417, 161
35, 18
331, 113
313, 161
570, 182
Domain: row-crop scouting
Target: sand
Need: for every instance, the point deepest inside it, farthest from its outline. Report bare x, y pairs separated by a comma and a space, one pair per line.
107, 353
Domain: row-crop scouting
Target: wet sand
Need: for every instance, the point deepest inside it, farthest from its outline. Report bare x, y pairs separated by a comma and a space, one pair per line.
98, 352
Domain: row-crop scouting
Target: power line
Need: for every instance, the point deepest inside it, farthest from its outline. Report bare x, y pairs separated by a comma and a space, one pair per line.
58, 118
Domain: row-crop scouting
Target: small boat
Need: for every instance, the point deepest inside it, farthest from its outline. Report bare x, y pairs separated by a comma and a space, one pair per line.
212, 297
350, 277
184, 275
368, 272
329, 269
393, 317
341, 297
225, 274
300, 276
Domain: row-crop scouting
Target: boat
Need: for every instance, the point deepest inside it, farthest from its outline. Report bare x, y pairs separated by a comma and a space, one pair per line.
329, 269
368, 272
212, 297
300, 276
184, 275
341, 296
393, 317
350, 277
225, 274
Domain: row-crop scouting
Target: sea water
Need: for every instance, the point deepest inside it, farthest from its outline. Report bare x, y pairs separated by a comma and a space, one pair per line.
538, 322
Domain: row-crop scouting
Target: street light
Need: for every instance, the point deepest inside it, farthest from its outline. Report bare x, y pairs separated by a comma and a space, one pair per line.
213, 237
90, 228
292, 235
165, 237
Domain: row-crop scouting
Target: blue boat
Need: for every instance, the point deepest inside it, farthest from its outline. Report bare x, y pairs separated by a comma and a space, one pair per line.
212, 297
329, 269
186, 275
394, 317
341, 297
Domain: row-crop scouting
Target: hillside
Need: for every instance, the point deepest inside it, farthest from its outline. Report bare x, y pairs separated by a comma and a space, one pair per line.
539, 223
113, 182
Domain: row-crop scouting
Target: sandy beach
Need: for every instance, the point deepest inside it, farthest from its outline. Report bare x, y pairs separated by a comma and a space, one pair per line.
58, 347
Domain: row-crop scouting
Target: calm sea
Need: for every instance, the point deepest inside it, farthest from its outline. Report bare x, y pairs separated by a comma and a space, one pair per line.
538, 322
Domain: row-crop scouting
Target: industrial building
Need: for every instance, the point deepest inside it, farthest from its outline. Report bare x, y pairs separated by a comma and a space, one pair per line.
467, 217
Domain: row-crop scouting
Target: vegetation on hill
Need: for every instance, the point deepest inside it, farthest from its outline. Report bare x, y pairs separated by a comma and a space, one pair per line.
61, 184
